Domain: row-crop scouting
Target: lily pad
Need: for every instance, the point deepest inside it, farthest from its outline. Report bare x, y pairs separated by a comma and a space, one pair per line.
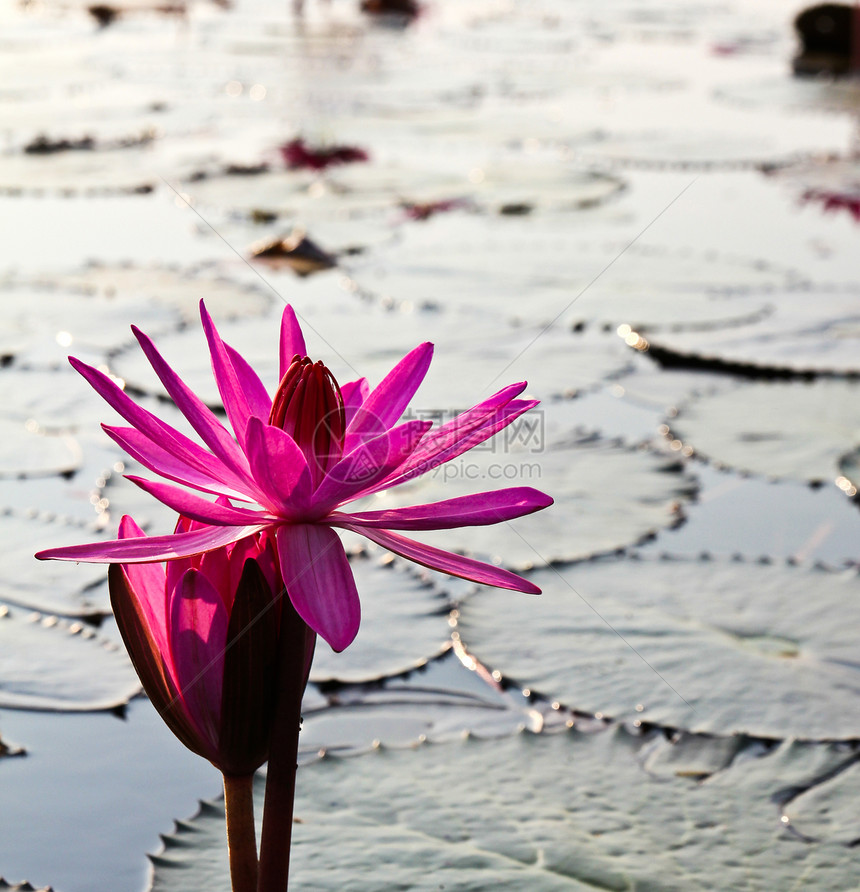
68, 322
607, 496
173, 289
832, 182
806, 332
23, 887
462, 373
403, 624
838, 95
48, 663
828, 809
463, 262
25, 451
46, 585
568, 811
748, 427
676, 132
439, 701
716, 647
382, 186
118, 496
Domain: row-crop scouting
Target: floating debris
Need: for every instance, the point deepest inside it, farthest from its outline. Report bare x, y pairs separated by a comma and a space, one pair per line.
297, 251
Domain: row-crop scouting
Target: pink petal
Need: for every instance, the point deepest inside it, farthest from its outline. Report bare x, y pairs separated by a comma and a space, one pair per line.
258, 397
319, 581
150, 548
386, 402
161, 434
199, 415
445, 561
464, 511
196, 508
280, 468
165, 464
198, 635
354, 394
444, 445
292, 339
367, 464
227, 377
147, 584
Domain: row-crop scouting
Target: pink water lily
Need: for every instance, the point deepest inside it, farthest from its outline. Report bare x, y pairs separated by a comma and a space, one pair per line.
293, 462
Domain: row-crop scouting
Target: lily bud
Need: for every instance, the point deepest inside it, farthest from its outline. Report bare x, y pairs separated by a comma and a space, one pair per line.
309, 407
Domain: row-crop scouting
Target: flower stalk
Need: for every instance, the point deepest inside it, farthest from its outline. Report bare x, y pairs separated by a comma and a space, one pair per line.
295, 655
241, 832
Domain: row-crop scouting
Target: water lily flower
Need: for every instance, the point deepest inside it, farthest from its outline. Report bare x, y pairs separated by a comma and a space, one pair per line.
218, 653
293, 463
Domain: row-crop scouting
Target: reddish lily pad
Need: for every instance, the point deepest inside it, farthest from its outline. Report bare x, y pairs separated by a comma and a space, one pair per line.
716, 647
568, 811
746, 428
48, 663
833, 183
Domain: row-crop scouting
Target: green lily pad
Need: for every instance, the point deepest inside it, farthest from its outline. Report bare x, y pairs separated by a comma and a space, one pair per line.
777, 429
173, 289
838, 95
50, 586
716, 647
463, 261
806, 332
373, 187
48, 663
828, 809
403, 624
607, 496
462, 373
677, 132
25, 451
567, 811
67, 322
439, 701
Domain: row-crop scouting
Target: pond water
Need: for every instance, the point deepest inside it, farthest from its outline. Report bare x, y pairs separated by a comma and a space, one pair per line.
634, 207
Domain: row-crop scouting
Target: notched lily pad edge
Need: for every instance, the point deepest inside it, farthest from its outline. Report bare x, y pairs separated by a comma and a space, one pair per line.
840, 481
75, 627
571, 716
669, 358
22, 887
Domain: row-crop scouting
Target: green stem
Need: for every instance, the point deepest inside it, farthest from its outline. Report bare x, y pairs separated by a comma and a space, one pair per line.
296, 643
241, 834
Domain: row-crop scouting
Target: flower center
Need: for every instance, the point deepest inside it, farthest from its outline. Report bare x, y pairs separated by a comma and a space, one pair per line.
308, 405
